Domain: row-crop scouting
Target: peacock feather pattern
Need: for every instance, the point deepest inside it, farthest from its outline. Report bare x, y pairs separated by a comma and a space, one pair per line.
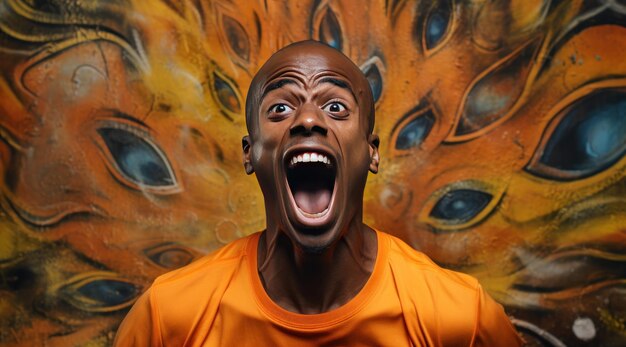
503, 142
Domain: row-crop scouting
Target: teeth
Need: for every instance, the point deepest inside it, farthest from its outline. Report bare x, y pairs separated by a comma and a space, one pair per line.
309, 157
314, 215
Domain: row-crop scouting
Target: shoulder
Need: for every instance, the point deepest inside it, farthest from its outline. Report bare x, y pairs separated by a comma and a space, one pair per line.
422, 268
184, 298
203, 278
180, 300
449, 306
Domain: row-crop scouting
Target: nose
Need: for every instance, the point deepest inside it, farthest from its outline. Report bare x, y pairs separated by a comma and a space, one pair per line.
309, 120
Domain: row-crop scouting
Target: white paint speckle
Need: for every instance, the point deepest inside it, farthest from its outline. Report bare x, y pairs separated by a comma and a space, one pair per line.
584, 328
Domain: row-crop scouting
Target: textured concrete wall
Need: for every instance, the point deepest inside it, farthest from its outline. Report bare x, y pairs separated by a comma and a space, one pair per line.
502, 125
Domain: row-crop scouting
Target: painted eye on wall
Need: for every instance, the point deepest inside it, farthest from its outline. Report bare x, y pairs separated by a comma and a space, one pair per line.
169, 255
412, 133
329, 30
225, 93
491, 98
99, 292
138, 159
237, 37
374, 76
588, 137
459, 205
437, 24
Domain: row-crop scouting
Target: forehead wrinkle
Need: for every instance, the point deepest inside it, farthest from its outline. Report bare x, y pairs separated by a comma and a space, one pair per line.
286, 73
290, 71
282, 77
329, 72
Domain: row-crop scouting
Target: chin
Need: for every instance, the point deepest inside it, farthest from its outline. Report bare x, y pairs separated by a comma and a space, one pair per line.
313, 250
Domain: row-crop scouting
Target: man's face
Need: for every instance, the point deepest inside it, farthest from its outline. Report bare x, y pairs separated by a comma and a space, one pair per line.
310, 144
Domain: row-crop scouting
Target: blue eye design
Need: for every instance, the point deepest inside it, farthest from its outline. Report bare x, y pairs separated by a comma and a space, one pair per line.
437, 24
330, 31
138, 160
375, 80
99, 292
415, 131
461, 205
589, 138
108, 292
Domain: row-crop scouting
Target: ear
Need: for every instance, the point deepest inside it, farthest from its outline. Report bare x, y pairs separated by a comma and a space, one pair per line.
374, 142
246, 146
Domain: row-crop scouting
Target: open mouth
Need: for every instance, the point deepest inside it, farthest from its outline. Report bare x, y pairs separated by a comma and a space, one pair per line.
311, 179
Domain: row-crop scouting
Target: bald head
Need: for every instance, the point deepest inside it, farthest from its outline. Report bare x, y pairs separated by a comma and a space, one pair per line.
315, 58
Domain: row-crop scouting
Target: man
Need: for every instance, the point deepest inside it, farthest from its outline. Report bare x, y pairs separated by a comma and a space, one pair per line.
317, 275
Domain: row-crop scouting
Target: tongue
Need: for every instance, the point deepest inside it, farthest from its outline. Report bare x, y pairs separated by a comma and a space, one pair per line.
311, 198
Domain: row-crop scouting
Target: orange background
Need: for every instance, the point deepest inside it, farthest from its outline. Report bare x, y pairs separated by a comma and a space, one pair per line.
502, 126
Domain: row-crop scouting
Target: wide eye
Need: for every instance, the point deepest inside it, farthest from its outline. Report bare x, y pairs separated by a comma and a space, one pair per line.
334, 107
138, 159
280, 109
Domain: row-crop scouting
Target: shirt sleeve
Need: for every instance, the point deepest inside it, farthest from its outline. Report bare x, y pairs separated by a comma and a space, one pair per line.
493, 327
141, 325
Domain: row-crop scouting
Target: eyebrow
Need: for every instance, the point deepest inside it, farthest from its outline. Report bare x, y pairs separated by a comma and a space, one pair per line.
280, 83
339, 83
276, 85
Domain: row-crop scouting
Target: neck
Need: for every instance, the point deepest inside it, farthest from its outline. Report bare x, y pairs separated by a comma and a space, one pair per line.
310, 283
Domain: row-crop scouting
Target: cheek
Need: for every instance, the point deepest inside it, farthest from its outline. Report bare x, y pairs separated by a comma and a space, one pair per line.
264, 148
257, 152
358, 153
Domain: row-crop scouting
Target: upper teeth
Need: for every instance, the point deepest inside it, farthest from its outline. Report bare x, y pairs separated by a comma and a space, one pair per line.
309, 157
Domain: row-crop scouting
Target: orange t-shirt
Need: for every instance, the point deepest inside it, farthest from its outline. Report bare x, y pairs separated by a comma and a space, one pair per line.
407, 301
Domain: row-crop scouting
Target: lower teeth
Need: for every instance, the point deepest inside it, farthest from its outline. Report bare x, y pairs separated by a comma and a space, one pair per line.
313, 215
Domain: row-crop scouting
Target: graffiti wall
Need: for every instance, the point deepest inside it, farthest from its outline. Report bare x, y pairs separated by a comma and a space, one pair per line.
503, 141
